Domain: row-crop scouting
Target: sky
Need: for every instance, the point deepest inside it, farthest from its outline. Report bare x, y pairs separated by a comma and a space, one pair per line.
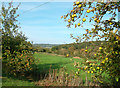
43, 25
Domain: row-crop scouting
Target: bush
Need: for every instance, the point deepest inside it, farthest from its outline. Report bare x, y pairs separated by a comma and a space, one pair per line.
17, 52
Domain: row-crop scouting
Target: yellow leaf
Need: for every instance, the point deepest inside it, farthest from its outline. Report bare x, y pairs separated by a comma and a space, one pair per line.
100, 48
117, 79
91, 71
98, 67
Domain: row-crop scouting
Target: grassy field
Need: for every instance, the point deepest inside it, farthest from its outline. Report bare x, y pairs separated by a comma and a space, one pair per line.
44, 62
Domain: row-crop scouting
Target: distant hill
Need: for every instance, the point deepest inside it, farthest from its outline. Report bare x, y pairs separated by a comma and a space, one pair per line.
73, 49
78, 45
78, 49
46, 45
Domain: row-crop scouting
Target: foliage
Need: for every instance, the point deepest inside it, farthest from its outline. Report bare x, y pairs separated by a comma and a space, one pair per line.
103, 28
17, 52
41, 49
77, 49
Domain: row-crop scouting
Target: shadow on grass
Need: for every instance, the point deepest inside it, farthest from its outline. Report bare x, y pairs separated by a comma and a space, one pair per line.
39, 72
42, 70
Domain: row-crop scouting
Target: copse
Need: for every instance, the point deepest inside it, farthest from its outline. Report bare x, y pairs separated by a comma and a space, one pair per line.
102, 16
17, 52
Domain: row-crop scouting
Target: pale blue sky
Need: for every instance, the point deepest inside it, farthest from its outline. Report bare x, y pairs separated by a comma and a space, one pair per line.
44, 25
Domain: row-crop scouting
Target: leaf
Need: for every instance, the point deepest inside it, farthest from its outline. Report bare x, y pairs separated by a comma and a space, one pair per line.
117, 79
75, 25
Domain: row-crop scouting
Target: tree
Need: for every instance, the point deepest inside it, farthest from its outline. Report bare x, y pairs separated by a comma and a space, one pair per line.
103, 27
17, 52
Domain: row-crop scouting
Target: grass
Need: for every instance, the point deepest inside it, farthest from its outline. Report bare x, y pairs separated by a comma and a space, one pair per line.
44, 62
63, 80
15, 82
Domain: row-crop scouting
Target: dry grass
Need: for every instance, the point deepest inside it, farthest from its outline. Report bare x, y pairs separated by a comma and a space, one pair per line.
63, 79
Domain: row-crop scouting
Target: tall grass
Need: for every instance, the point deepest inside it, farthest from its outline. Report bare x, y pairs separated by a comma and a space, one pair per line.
61, 78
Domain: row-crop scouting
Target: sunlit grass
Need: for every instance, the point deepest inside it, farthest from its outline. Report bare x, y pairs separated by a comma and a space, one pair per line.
57, 62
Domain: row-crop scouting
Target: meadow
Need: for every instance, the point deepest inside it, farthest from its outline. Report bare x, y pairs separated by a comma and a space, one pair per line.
44, 62
57, 62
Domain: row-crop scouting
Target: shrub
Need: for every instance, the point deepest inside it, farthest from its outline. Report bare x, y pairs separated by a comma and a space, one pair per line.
17, 52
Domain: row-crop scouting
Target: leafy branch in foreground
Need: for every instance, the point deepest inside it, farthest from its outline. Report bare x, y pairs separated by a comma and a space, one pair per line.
102, 16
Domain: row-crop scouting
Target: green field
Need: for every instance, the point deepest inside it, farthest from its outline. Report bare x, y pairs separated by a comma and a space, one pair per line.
57, 62
43, 63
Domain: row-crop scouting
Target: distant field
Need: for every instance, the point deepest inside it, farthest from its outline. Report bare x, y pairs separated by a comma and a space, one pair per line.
46, 45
